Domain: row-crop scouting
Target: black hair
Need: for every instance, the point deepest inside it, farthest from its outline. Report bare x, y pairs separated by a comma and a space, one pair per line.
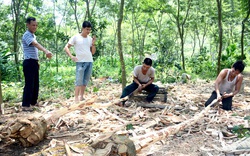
147, 61
86, 24
239, 65
29, 19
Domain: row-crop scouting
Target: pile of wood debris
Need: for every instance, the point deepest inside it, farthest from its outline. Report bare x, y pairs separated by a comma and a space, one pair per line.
183, 127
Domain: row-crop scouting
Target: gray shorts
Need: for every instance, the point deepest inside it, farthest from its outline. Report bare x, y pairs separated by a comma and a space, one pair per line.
83, 73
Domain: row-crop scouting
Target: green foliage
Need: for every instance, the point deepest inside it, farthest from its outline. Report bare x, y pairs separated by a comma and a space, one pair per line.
240, 130
56, 84
95, 89
231, 55
247, 118
148, 27
106, 67
11, 91
129, 127
202, 65
6, 65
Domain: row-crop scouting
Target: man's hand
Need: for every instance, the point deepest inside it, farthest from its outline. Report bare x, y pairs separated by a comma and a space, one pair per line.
219, 97
225, 95
140, 87
48, 54
143, 86
74, 58
93, 40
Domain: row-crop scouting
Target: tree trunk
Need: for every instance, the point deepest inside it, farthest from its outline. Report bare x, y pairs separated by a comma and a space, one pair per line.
243, 30
133, 39
180, 25
74, 7
1, 96
120, 44
16, 8
88, 11
219, 6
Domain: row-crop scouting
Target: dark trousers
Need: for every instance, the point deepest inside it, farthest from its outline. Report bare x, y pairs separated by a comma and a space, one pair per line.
31, 88
226, 102
152, 89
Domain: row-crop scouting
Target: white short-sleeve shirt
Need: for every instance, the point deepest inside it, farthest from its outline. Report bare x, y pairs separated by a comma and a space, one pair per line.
82, 47
141, 77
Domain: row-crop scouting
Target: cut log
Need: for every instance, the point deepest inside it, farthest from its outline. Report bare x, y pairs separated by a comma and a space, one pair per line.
144, 140
31, 130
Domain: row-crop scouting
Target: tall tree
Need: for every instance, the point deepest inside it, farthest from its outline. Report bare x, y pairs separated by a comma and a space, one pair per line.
89, 12
73, 4
17, 6
119, 38
246, 6
1, 96
181, 21
219, 9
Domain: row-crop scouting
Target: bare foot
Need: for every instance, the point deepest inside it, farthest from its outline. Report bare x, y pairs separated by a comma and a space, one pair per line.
82, 98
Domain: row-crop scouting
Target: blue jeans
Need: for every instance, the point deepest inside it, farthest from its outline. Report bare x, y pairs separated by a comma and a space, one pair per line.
152, 89
83, 73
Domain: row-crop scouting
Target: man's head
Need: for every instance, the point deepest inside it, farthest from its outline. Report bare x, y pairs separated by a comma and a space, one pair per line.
239, 66
86, 28
31, 24
147, 63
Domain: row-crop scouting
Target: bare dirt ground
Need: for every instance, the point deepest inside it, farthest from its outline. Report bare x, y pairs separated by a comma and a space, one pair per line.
209, 136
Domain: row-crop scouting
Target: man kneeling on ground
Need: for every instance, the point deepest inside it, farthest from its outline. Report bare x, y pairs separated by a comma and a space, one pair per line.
143, 78
227, 84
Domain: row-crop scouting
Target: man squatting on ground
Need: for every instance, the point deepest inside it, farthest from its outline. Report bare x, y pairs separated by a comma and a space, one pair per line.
227, 84
143, 78
30, 64
84, 49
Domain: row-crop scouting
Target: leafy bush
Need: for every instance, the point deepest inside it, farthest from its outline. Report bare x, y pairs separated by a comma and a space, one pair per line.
241, 131
231, 55
7, 67
12, 91
202, 65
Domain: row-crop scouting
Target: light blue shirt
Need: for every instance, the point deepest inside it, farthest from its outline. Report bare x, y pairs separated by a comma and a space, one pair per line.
29, 51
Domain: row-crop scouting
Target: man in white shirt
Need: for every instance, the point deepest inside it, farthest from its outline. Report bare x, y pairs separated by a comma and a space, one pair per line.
84, 49
143, 78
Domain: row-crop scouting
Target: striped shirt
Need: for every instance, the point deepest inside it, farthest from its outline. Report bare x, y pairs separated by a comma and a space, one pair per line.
30, 51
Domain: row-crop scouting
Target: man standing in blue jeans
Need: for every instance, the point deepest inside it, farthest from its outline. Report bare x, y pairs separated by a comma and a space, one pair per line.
143, 78
30, 64
84, 49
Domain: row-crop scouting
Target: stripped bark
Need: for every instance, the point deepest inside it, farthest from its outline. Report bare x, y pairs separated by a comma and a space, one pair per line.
31, 130
145, 140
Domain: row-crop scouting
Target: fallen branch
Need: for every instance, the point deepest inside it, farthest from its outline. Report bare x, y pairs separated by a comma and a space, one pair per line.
144, 140
68, 152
